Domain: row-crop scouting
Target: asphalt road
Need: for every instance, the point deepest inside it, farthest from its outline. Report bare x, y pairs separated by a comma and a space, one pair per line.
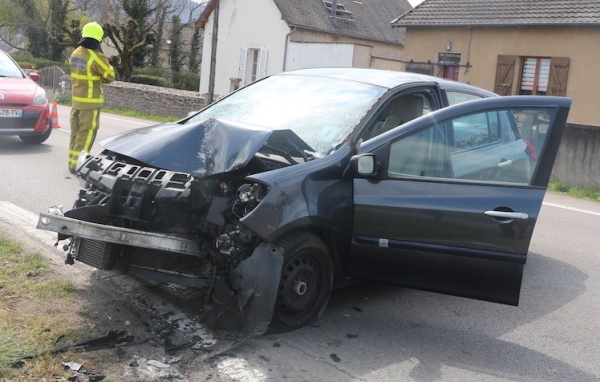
373, 332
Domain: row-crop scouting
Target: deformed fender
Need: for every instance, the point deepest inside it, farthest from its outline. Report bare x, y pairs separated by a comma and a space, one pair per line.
243, 301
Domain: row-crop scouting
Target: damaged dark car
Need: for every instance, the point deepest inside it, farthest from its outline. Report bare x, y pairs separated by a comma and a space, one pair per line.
310, 179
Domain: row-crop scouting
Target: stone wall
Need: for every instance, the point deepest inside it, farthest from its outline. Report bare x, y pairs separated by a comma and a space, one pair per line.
578, 159
147, 98
152, 99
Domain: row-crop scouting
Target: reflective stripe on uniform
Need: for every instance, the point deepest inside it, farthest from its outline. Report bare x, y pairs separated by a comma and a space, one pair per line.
88, 100
88, 70
85, 77
89, 139
107, 69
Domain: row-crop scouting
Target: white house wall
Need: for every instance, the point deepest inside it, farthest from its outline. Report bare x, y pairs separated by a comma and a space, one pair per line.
243, 24
314, 55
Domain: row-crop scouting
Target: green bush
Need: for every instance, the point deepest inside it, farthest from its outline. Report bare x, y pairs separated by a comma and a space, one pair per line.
151, 71
186, 81
27, 61
26, 65
62, 98
148, 80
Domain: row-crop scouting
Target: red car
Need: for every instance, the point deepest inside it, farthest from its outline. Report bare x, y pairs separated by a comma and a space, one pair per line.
24, 109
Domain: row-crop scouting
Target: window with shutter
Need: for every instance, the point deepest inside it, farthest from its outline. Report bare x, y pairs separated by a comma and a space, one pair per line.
559, 70
254, 65
505, 72
535, 76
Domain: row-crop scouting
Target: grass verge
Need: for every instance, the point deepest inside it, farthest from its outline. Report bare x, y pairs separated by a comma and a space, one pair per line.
577, 192
34, 317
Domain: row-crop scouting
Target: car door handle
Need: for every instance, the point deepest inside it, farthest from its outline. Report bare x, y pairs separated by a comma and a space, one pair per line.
507, 215
504, 163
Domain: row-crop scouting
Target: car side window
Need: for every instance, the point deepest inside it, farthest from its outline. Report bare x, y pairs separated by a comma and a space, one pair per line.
479, 147
476, 130
398, 111
455, 97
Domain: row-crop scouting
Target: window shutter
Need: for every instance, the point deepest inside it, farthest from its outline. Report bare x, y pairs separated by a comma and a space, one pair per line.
242, 67
262, 63
559, 70
505, 72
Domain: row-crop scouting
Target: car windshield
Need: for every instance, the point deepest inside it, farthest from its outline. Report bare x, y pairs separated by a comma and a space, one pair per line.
321, 111
8, 68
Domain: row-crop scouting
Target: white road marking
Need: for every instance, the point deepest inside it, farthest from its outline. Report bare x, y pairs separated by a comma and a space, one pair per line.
572, 209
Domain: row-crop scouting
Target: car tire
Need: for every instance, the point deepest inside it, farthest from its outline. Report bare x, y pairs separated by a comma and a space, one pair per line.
37, 138
305, 284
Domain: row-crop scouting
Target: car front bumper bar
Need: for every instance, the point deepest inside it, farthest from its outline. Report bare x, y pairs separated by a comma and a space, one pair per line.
117, 235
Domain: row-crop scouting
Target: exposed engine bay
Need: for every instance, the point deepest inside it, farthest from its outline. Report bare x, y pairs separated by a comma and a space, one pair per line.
123, 193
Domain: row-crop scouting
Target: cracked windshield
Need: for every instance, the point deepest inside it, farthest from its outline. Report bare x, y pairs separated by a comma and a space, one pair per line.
321, 111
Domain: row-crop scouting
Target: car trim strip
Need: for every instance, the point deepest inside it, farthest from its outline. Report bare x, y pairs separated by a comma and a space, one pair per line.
444, 250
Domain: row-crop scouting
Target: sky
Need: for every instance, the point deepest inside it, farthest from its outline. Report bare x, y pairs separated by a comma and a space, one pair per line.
414, 3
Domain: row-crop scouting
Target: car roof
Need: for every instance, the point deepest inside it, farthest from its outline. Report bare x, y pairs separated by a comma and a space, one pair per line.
386, 78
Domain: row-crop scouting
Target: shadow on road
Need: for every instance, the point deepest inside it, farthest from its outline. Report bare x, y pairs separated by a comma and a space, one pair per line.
13, 145
393, 329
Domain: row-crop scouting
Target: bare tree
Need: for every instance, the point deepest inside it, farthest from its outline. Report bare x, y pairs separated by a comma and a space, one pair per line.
127, 42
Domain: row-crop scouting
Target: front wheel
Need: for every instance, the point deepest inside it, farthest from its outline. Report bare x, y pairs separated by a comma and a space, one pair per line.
37, 139
306, 281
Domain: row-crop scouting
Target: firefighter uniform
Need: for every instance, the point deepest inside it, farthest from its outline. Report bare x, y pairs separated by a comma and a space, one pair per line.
89, 70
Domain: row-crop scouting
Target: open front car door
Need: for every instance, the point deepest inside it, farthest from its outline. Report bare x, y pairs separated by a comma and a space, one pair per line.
450, 200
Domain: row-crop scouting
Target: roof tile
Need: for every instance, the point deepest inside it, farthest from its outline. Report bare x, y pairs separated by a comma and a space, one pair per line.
371, 18
502, 13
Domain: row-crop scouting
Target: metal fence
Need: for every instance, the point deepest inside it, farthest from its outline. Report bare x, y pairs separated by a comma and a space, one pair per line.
50, 78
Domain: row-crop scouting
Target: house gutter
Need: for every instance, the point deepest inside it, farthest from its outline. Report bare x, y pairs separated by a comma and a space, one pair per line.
285, 51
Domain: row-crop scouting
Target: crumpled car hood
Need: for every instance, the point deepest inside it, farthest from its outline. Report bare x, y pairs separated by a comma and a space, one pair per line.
200, 149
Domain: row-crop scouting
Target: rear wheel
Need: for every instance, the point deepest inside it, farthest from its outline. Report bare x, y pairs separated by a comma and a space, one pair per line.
306, 281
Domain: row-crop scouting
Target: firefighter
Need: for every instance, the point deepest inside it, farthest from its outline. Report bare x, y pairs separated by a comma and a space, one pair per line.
90, 69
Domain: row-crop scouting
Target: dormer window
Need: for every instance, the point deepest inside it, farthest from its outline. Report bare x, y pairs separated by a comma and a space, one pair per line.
340, 11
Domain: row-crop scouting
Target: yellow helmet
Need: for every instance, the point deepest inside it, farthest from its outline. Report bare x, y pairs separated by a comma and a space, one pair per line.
92, 30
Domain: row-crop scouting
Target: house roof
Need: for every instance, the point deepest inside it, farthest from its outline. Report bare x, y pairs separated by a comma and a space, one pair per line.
501, 13
370, 18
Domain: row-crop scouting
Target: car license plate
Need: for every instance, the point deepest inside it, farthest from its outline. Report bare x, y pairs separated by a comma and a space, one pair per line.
11, 113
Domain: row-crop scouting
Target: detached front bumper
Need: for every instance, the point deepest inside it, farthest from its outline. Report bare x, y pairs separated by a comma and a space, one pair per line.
117, 235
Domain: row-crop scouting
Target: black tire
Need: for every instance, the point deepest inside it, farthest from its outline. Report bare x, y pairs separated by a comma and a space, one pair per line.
37, 138
306, 282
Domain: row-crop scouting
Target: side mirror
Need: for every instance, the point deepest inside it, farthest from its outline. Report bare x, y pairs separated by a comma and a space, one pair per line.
34, 76
364, 165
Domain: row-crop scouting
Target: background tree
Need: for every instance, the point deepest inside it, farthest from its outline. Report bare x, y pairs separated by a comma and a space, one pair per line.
155, 54
176, 56
43, 23
127, 42
60, 35
139, 11
34, 28
194, 62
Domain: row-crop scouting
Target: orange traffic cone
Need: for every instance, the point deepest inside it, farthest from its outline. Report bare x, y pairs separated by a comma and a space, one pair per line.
54, 116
